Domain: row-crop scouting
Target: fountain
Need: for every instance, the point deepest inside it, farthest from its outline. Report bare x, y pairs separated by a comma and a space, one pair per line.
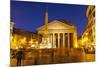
45, 39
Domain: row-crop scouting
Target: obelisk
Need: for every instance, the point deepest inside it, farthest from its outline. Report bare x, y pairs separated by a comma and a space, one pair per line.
46, 25
45, 39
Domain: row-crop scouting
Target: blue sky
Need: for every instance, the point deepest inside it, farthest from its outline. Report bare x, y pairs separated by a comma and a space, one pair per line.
31, 15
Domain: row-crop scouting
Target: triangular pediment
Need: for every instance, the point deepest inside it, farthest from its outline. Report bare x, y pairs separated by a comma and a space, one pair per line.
56, 24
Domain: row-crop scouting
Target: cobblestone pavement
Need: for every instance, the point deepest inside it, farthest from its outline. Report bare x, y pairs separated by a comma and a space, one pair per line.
48, 59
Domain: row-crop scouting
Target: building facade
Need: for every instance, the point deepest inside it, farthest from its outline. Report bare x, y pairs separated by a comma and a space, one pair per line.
88, 36
79, 39
23, 39
61, 34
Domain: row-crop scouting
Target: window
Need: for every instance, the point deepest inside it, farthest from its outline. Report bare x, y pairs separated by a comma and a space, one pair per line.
93, 14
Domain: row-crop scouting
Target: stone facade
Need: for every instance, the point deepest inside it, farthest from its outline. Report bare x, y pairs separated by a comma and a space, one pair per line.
88, 36
61, 34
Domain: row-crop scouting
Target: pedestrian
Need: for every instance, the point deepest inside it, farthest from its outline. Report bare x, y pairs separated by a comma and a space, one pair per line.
19, 57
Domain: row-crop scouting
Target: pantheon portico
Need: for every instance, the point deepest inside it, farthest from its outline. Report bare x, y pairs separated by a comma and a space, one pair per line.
61, 34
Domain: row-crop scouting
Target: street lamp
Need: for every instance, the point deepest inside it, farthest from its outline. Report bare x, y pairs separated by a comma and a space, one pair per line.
32, 45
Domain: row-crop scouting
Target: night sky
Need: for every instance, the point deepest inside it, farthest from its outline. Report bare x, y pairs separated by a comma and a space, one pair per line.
31, 15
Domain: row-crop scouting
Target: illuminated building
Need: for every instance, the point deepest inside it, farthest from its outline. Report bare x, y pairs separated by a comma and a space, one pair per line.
23, 39
11, 31
88, 36
79, 41
11, 25
60, 34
